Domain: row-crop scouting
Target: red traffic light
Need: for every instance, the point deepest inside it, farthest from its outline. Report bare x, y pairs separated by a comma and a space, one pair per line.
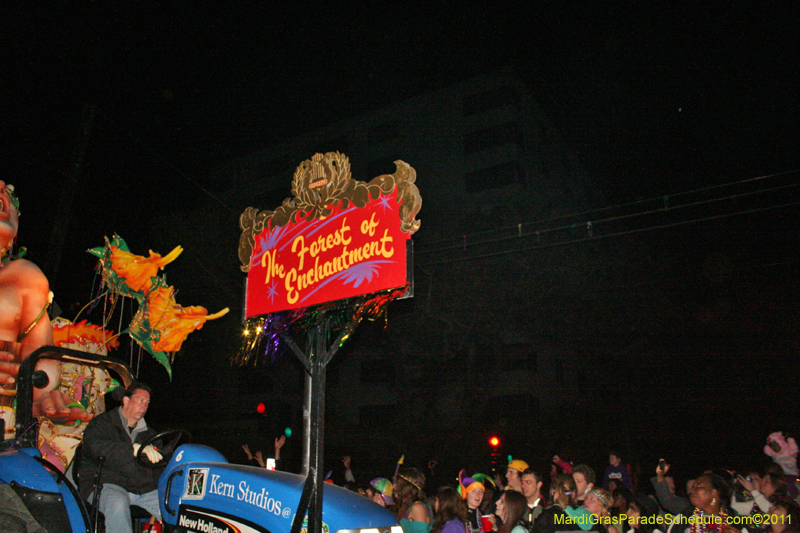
494, 441
261, 408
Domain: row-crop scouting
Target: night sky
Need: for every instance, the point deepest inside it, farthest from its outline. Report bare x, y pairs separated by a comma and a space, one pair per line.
654, 101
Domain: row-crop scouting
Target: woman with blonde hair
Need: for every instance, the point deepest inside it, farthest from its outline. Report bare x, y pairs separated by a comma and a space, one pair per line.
563, 492
598, 502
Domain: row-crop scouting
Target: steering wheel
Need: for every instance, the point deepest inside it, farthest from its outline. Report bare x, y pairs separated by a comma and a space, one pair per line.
171, 437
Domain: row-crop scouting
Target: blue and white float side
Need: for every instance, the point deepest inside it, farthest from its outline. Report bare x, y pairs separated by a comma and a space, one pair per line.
56, 506
201, 492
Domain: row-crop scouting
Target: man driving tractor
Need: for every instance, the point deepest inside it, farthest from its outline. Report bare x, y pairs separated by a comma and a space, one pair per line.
117, 436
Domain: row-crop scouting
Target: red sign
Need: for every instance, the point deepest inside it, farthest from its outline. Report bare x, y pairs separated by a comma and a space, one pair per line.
336, 239
352, 251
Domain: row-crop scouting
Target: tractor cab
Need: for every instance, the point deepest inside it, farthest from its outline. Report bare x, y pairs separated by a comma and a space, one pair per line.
199, 491
51, 498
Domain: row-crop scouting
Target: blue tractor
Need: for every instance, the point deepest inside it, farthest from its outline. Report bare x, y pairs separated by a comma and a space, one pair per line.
199, 490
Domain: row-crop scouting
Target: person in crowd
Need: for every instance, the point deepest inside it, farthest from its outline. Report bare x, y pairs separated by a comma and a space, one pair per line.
14, 516
257, 459
514, 475
410, 505
758, 502
783, 451
772, 483
380, 492
431, 475
784, 515
559, 466
561, 514
642, 512
279, 442
598, 503
347, 461
669, 501
511, 508
689, 486
710, 499
671, 483
622, 499
532, 490
472, 490
450, 513
251, 459
584, 480
487, 507
117, 436
617, 471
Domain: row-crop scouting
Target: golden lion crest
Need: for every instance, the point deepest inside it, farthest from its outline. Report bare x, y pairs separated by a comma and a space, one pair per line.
322, 182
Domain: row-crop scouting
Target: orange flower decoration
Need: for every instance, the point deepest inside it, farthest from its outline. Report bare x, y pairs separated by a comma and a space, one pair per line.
138, 270
173, 322
84, 334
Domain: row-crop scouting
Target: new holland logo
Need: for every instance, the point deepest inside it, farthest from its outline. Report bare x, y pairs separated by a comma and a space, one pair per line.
196, 484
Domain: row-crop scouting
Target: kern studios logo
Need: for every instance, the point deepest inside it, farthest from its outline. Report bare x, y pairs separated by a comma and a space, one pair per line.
196, 484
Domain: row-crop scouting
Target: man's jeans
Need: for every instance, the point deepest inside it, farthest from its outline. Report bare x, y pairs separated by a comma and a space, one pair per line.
115, 504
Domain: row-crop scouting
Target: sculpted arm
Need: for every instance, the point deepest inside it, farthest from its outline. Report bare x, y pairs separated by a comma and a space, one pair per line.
35, 291
24, 317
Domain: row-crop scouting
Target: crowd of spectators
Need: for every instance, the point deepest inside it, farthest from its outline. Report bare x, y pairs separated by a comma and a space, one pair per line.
572, 498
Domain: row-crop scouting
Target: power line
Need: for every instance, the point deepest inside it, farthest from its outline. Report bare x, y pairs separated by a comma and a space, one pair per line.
584, 291
664, 199
616, 234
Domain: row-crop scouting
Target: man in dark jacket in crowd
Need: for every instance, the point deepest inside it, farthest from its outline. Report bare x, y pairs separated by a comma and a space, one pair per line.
118, 435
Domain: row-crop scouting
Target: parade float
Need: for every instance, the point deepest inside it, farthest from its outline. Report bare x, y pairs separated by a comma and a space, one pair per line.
336, 253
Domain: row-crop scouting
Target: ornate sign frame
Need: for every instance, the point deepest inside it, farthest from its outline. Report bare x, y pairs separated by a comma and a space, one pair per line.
337, 238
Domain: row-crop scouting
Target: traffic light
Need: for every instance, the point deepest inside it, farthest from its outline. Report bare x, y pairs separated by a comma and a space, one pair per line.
494, 455
261, 408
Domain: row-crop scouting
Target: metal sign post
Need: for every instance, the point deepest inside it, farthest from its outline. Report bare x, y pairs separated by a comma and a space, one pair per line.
338, 241
315, 363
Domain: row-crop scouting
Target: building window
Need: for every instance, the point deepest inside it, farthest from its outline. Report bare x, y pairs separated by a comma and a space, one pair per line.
518, 357
523, 408
377, 371
493, 177
500, 97
481, 140
382, 132
370, 416
559, 372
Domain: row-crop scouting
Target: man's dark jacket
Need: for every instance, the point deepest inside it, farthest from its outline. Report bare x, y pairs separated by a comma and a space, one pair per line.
106, 435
